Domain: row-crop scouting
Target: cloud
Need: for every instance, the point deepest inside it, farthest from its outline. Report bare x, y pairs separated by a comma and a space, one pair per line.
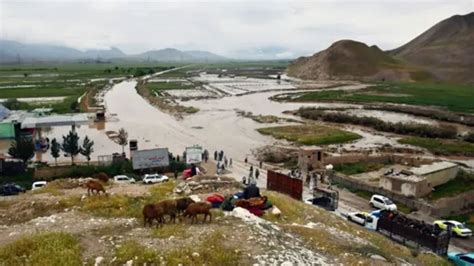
299, 27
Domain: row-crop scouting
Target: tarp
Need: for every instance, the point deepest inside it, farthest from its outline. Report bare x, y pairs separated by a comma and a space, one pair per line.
4, 112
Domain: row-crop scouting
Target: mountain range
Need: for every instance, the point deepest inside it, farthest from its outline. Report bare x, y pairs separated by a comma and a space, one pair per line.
445, 52
16, 52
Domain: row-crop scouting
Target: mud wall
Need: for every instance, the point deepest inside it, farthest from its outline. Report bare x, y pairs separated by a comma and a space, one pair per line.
382, 159
459, 204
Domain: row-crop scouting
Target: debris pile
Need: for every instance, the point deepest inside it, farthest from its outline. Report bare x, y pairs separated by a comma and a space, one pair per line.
206, 184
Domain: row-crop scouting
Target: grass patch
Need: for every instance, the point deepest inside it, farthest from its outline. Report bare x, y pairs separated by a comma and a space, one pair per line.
463, 182
441, 146
42, 249
310, 134
162, 103
120, 205
357, 168
163, 86
212, 251
176, 230
457, 98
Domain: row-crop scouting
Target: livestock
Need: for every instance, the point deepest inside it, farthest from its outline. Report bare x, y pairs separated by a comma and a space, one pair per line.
152, 212
198, 208
169, 208
183, 203
94, 185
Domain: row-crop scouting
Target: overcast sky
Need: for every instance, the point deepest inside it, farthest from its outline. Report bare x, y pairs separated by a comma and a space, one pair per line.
230, 28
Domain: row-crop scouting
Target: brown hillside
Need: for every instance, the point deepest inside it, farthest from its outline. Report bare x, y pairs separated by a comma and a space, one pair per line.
446, 49
348, 60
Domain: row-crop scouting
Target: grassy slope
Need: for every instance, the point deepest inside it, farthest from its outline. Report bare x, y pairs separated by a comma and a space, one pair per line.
458, 98
441, 146
310, 134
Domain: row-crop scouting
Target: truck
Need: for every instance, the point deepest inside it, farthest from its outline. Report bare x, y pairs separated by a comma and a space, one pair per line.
408, 231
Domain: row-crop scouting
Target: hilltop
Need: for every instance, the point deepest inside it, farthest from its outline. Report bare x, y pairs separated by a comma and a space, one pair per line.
445, 52
347, 60
446, 49
72, 228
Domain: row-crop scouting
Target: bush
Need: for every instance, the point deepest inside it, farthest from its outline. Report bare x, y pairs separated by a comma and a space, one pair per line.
101, 176
416, 129
469, 137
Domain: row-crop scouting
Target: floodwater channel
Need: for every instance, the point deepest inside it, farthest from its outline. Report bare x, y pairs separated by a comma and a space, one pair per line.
217, 126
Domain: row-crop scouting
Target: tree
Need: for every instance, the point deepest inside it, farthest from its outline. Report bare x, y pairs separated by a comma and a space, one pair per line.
12, 104
55, 149
122, 138
87, 148
22, 148
70, 145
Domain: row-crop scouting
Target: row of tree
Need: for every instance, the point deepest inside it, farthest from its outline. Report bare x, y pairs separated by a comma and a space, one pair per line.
23, 148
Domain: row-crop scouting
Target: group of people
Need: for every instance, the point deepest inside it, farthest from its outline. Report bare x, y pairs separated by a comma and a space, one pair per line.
222, 161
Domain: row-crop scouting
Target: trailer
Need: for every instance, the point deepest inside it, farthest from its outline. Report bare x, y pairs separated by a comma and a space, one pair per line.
325, 197
409, 231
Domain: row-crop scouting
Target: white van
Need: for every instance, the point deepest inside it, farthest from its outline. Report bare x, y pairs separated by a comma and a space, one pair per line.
38, 184
383, 203
123, 179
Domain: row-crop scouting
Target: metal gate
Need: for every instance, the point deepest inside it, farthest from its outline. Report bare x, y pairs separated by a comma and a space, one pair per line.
282, 183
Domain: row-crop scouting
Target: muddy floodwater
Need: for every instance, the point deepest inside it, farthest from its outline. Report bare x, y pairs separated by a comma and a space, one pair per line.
216, 126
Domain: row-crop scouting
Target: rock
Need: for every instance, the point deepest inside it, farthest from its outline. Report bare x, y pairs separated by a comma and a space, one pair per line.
193, 183
83, 197
276, 211
377, 257
129, 263
98, 260
195, 254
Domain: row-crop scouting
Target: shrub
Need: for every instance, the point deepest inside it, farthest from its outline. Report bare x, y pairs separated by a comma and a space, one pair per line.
42, 249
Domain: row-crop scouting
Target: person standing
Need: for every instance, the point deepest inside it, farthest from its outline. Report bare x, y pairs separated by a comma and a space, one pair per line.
215, 155
257, 173
175, 173
261, 165
246, 160
226, 162
230, 162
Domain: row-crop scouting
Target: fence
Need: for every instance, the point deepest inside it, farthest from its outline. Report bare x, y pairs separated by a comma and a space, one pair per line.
437, 243
285, 184
462, 203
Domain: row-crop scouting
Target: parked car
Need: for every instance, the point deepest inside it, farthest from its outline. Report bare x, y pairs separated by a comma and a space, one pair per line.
382, 202
357, 217
123, 179
11, 189
154, 178
38, 184
458, 229
461, 259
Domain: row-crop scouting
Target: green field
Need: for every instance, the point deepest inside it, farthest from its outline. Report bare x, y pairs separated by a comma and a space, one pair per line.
462, 183
162, 86
441, 146
357, 168
457, 98
310, 134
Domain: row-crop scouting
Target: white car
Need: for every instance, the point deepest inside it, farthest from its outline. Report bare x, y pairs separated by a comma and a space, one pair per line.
154, 178
123, 179
38, 184
357, 217
383, 203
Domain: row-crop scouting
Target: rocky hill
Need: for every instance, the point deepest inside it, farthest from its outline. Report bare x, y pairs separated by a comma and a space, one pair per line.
445, 52
446, 49
347, 60
72, 228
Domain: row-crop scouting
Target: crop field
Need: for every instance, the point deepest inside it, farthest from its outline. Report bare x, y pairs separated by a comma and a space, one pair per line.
310, 134
457, 98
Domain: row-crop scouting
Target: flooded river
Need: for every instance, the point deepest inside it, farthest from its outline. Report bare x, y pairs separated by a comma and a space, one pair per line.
216, 126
